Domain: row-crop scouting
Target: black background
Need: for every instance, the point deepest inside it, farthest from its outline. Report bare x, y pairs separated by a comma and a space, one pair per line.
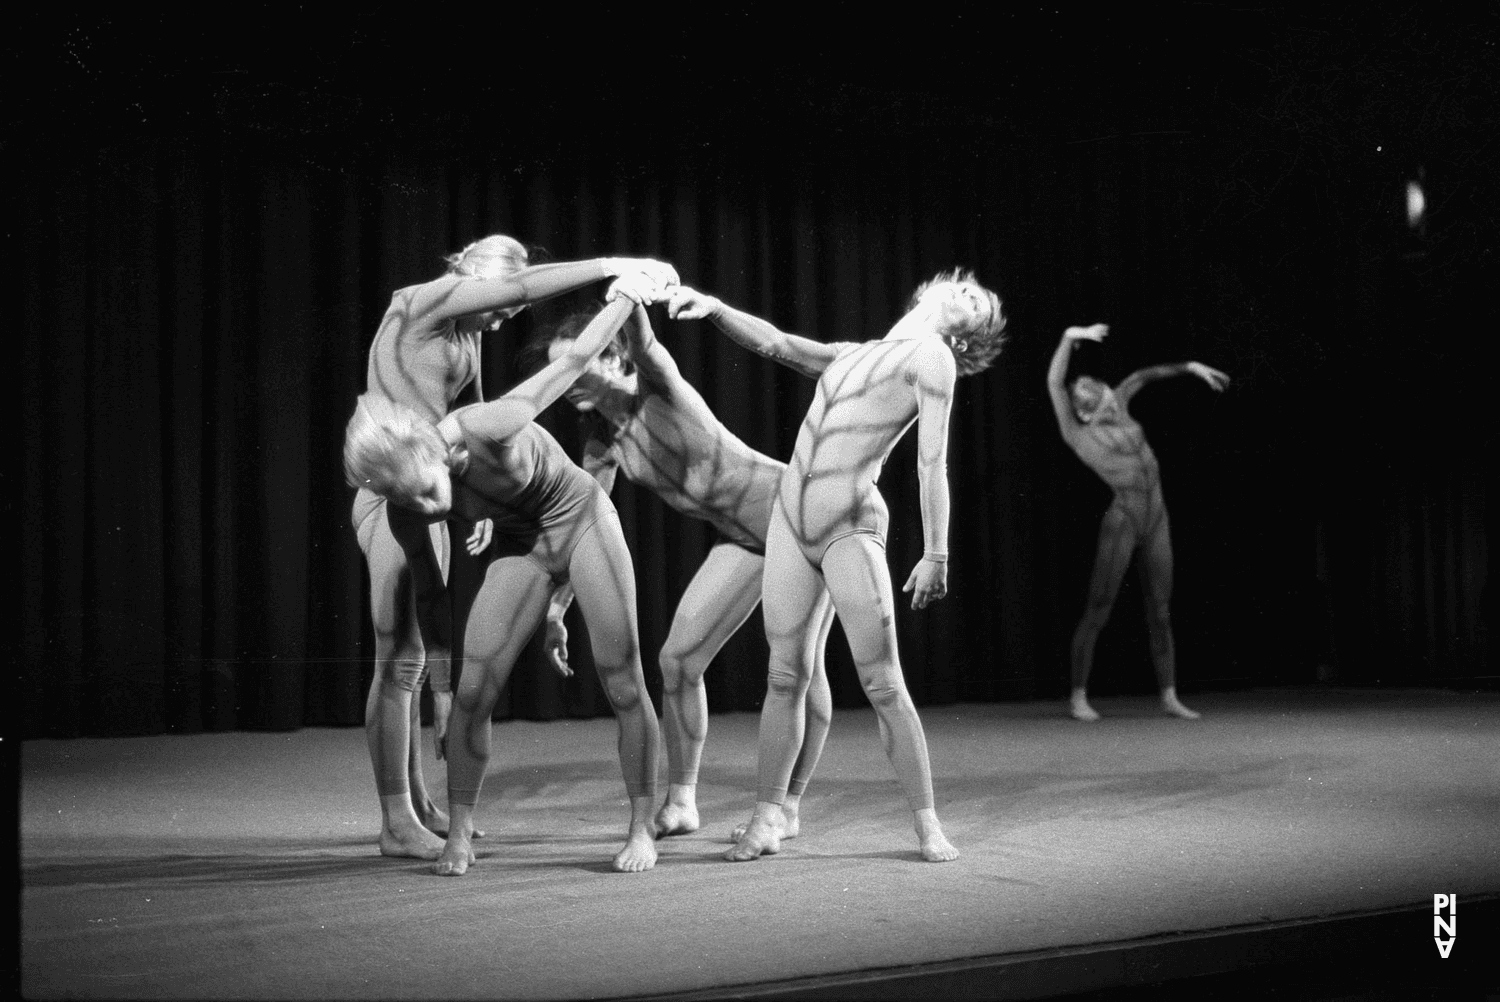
208, 217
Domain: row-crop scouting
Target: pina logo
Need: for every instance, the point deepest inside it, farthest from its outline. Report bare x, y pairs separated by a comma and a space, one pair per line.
1445, 930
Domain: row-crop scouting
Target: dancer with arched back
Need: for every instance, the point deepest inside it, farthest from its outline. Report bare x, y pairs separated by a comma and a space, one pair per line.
553, 523
829, 521
425, 356
1096, 424
644, 419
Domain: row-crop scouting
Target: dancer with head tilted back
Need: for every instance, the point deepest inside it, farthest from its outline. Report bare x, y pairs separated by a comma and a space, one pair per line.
645, 420
425, 357
829, 521
1096, 424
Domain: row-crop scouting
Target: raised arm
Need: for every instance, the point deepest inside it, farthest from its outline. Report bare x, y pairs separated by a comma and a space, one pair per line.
458, 295
933, 375
807, 356
501, 418
601, 465
1057, 372
1137, 380
653, 362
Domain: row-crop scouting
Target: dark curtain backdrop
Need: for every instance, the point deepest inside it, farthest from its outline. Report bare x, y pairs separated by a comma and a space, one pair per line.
207, 242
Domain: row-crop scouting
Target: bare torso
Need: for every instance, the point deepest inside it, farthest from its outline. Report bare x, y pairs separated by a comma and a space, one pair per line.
1117, 451
865, 402
674, 446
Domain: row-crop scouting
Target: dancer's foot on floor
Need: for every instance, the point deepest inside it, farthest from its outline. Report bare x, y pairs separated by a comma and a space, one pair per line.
456, 858
791, 829
934, 844
676, 819
436, 821
763, 835
639, 853
1079, 709
1171, 704
412, 842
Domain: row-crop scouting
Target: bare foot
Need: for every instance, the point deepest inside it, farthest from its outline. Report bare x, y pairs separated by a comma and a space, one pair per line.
676, 819
436, 821
762, 837
414, 843
935, 846
1079, 709
639, 853
791, 829
1173, 706
456, 858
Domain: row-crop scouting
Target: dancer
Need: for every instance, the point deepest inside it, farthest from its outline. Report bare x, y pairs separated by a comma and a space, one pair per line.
425, 356
553, 523
1095, 421
645, 420
828, 522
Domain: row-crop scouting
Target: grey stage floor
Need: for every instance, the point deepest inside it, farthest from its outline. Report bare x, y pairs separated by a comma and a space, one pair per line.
243, 865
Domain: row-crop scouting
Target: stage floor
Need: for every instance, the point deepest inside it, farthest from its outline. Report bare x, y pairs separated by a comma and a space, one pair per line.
243, 865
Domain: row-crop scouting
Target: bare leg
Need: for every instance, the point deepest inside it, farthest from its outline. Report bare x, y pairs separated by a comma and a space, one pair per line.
506, 612
792, 598
604, 583
1156, 584
393, 744
860, 581
717, 602
1116, 546
819, 710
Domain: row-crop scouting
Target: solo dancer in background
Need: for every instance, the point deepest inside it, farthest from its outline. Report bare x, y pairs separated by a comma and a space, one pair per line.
1096, 424
425, 356
829, 521
645, 420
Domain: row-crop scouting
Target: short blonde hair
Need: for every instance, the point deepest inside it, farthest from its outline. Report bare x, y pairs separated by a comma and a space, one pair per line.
981, 343
477, 256
385, 442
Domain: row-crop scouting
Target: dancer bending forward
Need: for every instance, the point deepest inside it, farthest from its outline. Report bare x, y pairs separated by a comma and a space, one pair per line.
425, 356
552, 523
653, 426
828, 523
1095, 421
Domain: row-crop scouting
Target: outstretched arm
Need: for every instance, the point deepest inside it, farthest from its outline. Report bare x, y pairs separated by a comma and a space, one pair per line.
807, 356
458, 295
602, 467
1133, 383
499, 419
1057, 372
933, 376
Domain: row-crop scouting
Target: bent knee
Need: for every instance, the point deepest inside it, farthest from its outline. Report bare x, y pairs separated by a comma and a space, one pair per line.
678, 669
789, 677
403, 673
623, 692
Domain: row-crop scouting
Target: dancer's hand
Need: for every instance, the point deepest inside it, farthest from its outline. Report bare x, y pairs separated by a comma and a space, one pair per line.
1213, 377
637, 286
1097, 332
556, 646
479, 539
442, 705
661, 274
928, 582
684, 303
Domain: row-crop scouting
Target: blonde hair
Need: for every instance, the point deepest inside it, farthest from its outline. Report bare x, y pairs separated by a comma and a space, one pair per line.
385, 442
975, 348
476, 258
